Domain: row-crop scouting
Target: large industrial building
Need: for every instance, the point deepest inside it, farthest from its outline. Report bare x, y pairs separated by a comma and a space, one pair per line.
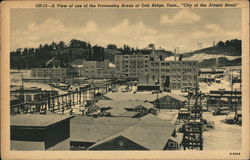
94, 69
56, 74
151, 70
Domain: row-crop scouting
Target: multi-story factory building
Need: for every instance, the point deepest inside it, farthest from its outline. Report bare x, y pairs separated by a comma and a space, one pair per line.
131, 66
55, 74
174, 75
49, 72
151, 70
94, 69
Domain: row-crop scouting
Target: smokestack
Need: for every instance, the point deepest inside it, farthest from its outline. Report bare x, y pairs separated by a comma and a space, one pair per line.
175, 54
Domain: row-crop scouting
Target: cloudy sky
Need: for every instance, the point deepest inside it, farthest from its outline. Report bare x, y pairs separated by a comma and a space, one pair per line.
167, 28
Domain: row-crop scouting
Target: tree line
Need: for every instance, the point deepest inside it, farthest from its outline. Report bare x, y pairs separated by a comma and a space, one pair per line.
63, 54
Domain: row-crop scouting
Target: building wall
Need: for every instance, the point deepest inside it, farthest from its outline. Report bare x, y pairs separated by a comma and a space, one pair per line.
96, 72
56, 134
76, 145
168, 102
118, 143
131, 66
95, 69
55, 137
55, 74
181, 74
49, 72
171, 145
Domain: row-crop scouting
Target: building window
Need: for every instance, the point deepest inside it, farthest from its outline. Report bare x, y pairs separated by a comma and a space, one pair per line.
121, 144
171, 144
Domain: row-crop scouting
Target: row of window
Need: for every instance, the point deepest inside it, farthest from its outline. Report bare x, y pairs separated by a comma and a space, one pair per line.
173, 63
179, 85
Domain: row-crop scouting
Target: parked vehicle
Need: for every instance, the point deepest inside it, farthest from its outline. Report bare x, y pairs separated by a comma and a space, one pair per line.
221, 111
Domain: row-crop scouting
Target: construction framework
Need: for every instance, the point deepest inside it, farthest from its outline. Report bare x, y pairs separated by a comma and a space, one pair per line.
193, 128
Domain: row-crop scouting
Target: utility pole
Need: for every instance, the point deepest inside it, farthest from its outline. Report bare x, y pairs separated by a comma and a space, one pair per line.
193, 129
235, 104
22, 88
231, 89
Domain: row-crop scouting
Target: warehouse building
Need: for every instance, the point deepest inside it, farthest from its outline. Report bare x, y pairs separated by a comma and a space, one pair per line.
126, 108
109, 133
55, 74
142, 136
94, 69
39, 132
163, 100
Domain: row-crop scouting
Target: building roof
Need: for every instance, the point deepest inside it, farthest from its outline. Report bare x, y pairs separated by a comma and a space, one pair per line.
117, 111
177, 97
32, 120
142, 96
26, 145
25, 89
13, 98
150, 132
123, 104
129, 114
89, 129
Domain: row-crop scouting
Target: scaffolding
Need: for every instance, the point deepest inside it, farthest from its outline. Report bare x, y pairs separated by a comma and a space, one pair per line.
193, 128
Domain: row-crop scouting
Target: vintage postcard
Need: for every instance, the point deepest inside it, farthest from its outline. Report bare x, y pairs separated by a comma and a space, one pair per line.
125, 79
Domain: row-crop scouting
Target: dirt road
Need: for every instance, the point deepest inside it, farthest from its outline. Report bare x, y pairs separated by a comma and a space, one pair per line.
224, 136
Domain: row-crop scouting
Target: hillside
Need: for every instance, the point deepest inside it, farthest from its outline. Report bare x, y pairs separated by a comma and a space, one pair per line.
225, 53
228, 48
48, 55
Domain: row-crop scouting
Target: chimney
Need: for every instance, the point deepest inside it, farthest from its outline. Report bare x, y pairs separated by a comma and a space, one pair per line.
175, 54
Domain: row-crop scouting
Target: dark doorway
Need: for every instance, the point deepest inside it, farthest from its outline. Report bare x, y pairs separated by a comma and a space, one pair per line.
167, 82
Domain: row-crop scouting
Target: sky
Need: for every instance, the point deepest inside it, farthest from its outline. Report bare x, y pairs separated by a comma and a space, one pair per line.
166, 28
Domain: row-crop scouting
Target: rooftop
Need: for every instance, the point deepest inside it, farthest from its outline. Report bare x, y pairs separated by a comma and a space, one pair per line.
141, 96
88, 129
13, 98
123, 103
150, 132
31, 120
117, 111
26, 145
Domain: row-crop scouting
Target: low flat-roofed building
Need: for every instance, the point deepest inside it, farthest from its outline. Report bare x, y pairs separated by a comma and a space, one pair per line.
165, 100
39, 132
119, 107
150, 133
31, 94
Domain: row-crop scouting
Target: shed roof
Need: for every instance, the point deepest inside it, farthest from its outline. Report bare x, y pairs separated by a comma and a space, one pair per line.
88, 129
123, 103
13, 98
31, 120
151, 132
142, 96
129, 114
117, 111
26, 145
